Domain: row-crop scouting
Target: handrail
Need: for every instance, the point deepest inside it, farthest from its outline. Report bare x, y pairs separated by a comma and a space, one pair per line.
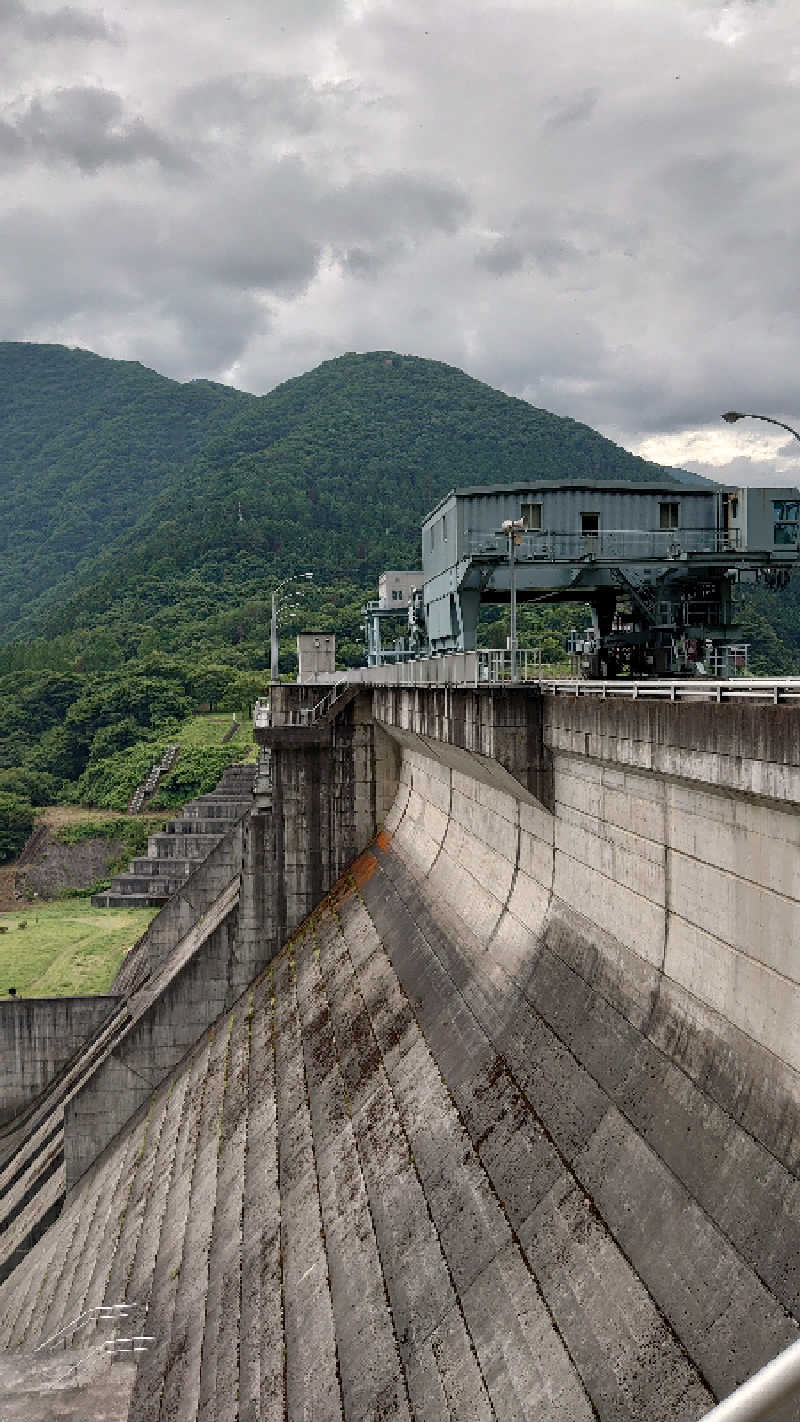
774, 1384
103, 1313
786, 689
554, 545
488, 667
304, 715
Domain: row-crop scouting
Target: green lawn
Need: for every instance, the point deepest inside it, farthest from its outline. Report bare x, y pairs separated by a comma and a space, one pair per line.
67, 948
208, 731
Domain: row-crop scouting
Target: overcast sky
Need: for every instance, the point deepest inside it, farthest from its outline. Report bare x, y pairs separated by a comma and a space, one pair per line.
590, 203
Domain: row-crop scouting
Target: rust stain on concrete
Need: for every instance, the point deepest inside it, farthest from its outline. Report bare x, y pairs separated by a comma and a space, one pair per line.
364, 868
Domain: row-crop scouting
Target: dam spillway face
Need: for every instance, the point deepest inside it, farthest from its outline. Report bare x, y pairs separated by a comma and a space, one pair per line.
425, 1169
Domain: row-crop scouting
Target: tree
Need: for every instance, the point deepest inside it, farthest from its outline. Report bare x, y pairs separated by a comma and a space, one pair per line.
16, 823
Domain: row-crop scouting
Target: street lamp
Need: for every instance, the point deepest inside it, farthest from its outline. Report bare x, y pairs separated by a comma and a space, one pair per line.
513, 527
273, 631
733, 415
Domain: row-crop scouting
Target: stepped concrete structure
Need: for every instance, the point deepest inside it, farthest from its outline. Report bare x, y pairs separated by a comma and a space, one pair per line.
461, 1081
175, 852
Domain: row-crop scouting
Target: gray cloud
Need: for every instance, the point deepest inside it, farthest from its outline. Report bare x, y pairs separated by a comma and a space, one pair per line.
87, 127
743, 471
64, 23
238, 105
319, 177
561, 111
501, 256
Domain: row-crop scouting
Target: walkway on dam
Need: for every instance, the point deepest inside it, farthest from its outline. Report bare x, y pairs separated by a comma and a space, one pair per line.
421, 1170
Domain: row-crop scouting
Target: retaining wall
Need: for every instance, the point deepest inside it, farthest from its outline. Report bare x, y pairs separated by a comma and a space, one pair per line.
38, 1037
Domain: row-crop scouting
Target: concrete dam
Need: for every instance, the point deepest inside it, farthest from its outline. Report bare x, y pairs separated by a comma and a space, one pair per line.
461, 1081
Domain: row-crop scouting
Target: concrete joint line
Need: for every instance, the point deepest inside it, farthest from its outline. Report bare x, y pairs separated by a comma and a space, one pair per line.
732, 874
151, 1085
615, 1106
572, 1174
456, 1305
358, 1147
734, 951
505, 910
512, 1235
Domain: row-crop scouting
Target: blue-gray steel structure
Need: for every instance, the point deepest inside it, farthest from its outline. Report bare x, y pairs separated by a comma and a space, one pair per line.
656, 562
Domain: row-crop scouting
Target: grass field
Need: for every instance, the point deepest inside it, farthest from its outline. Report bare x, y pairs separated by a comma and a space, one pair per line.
209, 730
67, 948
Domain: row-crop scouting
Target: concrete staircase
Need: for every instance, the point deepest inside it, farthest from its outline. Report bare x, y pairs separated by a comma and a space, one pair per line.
153, 778
176, 851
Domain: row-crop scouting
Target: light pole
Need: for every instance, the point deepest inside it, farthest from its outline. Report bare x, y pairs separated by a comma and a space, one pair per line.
512, 527
733, 415
273, 630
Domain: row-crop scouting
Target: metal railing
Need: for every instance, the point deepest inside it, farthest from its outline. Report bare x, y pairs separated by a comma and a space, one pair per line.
302, 715
104, 1313
492, 667
767, 1390
608, 543
125, 1347
697, 689
488, 666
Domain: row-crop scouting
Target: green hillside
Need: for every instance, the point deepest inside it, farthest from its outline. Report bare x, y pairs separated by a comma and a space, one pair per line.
117, 484
141, 517
143, 524
87, 445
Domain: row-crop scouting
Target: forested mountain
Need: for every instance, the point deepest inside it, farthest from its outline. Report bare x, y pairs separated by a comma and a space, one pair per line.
87, 445
143, 524
116, 484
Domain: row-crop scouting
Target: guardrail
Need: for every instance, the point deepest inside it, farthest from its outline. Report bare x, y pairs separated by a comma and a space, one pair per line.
104, 1313
303, 715
550, 547
488, 667
765, 1391
697, 689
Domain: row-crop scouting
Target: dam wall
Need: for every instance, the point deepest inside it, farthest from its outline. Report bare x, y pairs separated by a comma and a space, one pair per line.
669, 858
439, 1159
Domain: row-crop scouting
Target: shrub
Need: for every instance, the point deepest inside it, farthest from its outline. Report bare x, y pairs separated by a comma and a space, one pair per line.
110, 782
16, 823
197, 771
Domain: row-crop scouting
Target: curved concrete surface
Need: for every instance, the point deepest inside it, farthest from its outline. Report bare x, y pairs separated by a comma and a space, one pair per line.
430, 1167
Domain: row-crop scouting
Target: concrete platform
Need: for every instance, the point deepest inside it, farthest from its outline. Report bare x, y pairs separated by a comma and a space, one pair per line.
60, 1387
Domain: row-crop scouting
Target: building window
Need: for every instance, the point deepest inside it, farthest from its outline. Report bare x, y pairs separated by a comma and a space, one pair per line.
668, 515
786, 513
444, 528
532, 517
433, 535
397, 595
590, 525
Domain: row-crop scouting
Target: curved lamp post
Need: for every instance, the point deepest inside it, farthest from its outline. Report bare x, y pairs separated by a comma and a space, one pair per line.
273, 629
733, 415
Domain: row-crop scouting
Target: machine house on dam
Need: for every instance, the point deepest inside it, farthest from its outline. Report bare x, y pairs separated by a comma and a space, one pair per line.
657, 563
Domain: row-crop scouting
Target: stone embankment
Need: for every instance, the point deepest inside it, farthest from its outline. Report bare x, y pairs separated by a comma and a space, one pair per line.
438, 1161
